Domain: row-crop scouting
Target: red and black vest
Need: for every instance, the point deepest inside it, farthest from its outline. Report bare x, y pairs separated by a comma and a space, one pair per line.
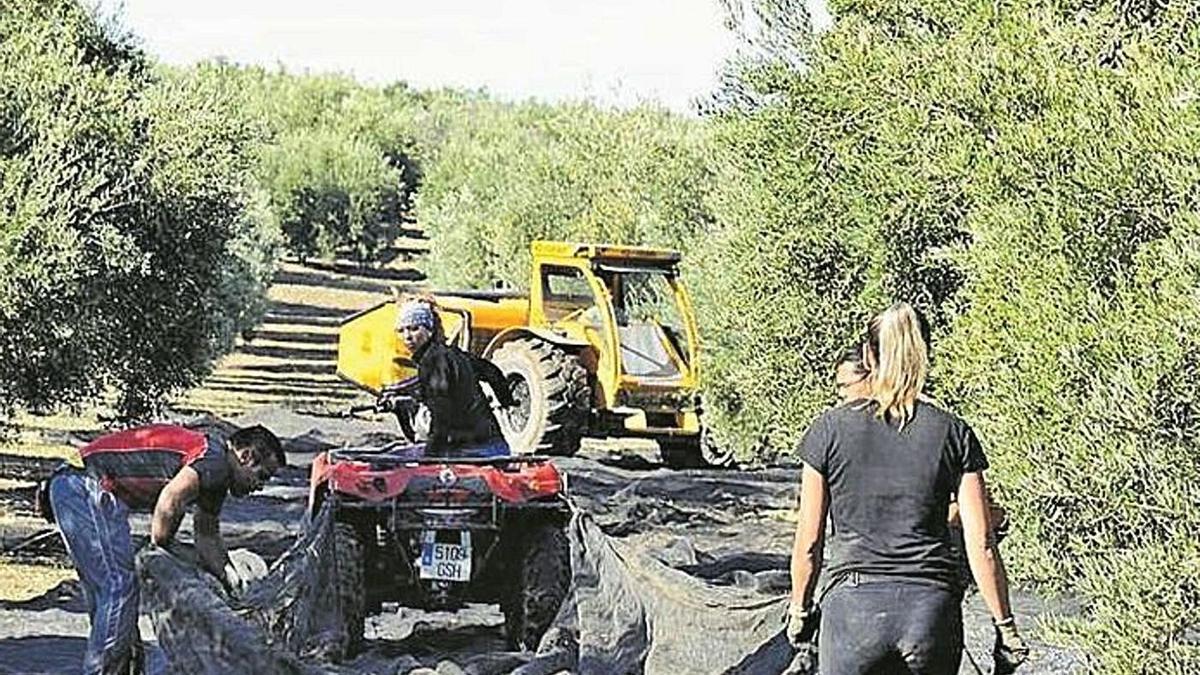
136, 464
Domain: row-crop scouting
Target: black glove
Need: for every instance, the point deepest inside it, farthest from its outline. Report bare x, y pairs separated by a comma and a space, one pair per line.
1010, 650
398, 402
505, 398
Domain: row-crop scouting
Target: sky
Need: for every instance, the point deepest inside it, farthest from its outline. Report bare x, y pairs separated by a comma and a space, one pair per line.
616, 52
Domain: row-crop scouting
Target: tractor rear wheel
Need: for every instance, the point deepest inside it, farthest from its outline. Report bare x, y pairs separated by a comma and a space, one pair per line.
552, 394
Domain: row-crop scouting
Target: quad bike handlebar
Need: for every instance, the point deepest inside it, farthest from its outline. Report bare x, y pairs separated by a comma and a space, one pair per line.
393, 400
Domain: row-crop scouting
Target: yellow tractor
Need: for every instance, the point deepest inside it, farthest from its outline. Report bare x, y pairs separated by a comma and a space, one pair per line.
604, 344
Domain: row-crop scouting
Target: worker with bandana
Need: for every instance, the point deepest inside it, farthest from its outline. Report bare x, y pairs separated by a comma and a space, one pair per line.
461, 419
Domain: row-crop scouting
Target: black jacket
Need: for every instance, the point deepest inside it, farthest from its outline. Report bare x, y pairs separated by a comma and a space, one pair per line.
460, 414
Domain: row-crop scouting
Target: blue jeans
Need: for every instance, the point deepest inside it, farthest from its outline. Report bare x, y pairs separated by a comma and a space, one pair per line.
494, 448
95, 528
877, 626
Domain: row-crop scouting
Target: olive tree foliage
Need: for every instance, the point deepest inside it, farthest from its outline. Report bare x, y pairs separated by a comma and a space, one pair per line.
772, 39
340, 164
504, 175
1025, 172
1075, 345
133, 246
331, 190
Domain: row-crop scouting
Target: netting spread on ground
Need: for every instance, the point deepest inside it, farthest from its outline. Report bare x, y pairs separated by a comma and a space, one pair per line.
628, 613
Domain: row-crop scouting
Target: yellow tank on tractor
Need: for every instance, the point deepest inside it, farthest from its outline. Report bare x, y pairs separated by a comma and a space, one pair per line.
604, 344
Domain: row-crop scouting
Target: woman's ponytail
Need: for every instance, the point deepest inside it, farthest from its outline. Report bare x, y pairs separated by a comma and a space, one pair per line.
898, 347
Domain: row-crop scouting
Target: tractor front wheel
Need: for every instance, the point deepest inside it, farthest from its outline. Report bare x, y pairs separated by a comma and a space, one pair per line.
694, 452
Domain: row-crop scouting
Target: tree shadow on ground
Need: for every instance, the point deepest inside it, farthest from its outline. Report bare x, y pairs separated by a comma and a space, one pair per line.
291, 354
295, 312
357, 280
350, 268
19, 500
295, 368
274, 388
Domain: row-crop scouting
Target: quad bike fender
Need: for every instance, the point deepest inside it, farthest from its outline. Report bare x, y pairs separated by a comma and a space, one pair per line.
518, 332
318, 482
359, 480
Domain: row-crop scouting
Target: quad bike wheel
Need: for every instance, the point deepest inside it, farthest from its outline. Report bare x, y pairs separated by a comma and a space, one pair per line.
541, 581
350, 587
552, 393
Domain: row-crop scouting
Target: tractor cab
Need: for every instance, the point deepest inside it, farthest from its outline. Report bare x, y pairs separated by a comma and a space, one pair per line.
628, 304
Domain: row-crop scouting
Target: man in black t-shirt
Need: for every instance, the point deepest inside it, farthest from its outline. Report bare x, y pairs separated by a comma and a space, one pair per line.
162, 469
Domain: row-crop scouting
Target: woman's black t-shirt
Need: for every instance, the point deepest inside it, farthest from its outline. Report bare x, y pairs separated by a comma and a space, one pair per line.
890, 488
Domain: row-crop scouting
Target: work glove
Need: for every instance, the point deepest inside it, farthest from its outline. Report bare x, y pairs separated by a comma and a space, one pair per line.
802, 626
391, 401
504, 396
244, 568
1010, 649
232, 581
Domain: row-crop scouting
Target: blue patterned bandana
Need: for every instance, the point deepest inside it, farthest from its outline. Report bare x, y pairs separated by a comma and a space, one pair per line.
415, 313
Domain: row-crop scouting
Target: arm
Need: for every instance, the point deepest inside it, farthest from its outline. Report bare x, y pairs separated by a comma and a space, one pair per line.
436, 393
168, 510
982, 553
209, 543
809, 545
488, 372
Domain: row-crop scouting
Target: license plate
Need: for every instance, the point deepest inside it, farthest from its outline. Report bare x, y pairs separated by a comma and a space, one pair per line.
446, 562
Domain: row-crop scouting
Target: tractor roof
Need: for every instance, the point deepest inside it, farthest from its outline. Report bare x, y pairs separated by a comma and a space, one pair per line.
566, 249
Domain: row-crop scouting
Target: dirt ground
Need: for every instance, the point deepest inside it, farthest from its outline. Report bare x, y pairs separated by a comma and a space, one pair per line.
726, 527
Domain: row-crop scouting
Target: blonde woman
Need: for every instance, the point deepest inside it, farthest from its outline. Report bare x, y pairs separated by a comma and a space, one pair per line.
885, 472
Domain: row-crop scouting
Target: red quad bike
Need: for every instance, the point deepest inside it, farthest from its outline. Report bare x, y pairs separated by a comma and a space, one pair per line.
435, 533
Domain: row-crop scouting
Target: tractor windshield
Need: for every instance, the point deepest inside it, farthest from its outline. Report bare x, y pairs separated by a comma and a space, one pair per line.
650, 323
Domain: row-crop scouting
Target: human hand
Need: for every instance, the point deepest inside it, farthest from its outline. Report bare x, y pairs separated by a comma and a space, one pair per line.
802, 635
802, 626
390, 400
1010, 650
